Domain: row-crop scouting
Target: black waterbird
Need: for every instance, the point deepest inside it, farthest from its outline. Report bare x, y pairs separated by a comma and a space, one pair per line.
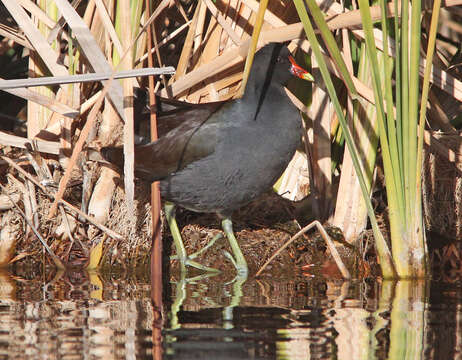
222, 162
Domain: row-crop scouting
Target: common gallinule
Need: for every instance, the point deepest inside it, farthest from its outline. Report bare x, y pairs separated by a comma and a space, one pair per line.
222, 162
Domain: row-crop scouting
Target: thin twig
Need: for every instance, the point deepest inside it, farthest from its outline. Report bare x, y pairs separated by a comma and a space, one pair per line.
162, 42
79, 78
33, 202
330, 245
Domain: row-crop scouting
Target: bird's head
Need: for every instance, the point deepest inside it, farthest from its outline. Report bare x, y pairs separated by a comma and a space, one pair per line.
274, 64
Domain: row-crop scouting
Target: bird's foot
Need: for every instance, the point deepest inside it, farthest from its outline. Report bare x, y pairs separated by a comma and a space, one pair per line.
206, 247
241, 267
189, 260
195, 264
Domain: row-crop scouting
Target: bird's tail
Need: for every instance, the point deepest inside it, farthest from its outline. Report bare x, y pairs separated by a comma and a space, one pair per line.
109, 155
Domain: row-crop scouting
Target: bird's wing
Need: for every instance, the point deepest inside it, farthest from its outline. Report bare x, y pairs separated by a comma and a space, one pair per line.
182, 146
170, 113
191, 141
175, 117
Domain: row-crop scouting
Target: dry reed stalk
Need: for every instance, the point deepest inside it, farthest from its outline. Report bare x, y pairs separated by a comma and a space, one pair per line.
37, 115
100, 201
15, 35
33, 202
164, 41
46, 101
350, 210
48, 147
91, 50
67, 226
294, 184
128, 134
220, 19
156, 234
186, 50
37, 12
106, 19
26, 199
209, 50
350, 213
101, 196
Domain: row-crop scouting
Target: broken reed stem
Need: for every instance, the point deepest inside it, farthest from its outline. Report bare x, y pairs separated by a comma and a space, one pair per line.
66, 223
103, 228
326, 237
56, 259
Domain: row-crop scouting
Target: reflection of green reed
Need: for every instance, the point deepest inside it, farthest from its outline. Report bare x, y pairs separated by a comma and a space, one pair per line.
384, 304
399, 321
408, 318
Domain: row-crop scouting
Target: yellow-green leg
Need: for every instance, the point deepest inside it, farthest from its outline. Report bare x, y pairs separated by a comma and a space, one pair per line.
181, 254
238, 260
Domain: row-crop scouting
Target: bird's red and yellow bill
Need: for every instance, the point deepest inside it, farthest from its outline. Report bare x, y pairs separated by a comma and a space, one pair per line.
298, 71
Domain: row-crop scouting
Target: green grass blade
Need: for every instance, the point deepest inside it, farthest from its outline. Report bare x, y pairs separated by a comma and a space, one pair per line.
391, 128
404, 40
332, 46
398, 94
390, 168
414, 77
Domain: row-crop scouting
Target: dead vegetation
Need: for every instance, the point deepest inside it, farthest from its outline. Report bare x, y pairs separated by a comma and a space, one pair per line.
87, 216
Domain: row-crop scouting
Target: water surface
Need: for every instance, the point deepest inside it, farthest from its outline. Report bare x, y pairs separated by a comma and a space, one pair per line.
93, 316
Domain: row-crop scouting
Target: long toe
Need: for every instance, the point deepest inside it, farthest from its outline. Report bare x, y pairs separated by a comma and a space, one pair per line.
206, 247
241, 266
188, 261
195, 264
